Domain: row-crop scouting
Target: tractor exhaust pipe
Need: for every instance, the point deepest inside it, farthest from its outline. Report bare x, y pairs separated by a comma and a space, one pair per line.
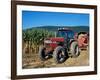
55, 34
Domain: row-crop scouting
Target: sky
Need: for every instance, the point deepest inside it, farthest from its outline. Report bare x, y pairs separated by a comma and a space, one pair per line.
36, 19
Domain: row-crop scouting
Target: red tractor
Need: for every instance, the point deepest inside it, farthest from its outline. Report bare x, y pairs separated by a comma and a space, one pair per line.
60, 47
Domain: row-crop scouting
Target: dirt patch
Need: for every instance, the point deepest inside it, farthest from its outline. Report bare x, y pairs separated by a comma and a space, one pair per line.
32, 60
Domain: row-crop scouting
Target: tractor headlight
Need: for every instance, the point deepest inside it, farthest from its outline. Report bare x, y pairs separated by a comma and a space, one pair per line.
47, 41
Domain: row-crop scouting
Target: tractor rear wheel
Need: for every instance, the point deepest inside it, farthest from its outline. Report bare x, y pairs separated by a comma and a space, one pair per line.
59, 54
43, 54
74, 49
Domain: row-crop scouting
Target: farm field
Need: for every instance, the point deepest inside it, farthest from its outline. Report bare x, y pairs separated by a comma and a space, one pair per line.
32, 60
34, 37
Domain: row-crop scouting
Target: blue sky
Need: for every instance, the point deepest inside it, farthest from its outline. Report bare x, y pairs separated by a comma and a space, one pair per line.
34, 19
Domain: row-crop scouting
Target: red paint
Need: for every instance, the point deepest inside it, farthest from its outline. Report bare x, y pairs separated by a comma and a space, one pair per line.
53, 45
55, 40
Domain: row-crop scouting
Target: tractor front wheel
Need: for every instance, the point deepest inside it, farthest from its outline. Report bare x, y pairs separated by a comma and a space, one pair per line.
43, 53
59, 54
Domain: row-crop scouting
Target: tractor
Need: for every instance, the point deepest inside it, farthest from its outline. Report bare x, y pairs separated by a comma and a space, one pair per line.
61, 47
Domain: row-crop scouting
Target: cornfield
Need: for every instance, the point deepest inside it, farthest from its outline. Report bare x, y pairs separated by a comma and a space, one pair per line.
32, 39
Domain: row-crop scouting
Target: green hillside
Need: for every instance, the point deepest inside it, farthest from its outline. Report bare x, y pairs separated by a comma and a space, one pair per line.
55, 28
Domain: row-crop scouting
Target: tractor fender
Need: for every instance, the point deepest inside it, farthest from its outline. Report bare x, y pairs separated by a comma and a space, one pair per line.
72, 40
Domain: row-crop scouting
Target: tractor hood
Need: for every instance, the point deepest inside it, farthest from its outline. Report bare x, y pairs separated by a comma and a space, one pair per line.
57, 39
54, 40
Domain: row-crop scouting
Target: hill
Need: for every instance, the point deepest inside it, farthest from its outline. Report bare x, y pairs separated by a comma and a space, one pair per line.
55, 28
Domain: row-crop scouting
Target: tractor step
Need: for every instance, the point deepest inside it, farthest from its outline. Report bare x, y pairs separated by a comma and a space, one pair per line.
69, 54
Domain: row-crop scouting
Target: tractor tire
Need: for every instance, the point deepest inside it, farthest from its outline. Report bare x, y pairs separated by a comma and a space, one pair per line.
42, 54
74, 49
59, 54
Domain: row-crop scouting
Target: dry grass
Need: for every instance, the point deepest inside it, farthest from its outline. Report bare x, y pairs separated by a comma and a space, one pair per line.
31, 60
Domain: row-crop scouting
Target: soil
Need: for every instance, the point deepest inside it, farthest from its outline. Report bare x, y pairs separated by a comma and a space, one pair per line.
32, 60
